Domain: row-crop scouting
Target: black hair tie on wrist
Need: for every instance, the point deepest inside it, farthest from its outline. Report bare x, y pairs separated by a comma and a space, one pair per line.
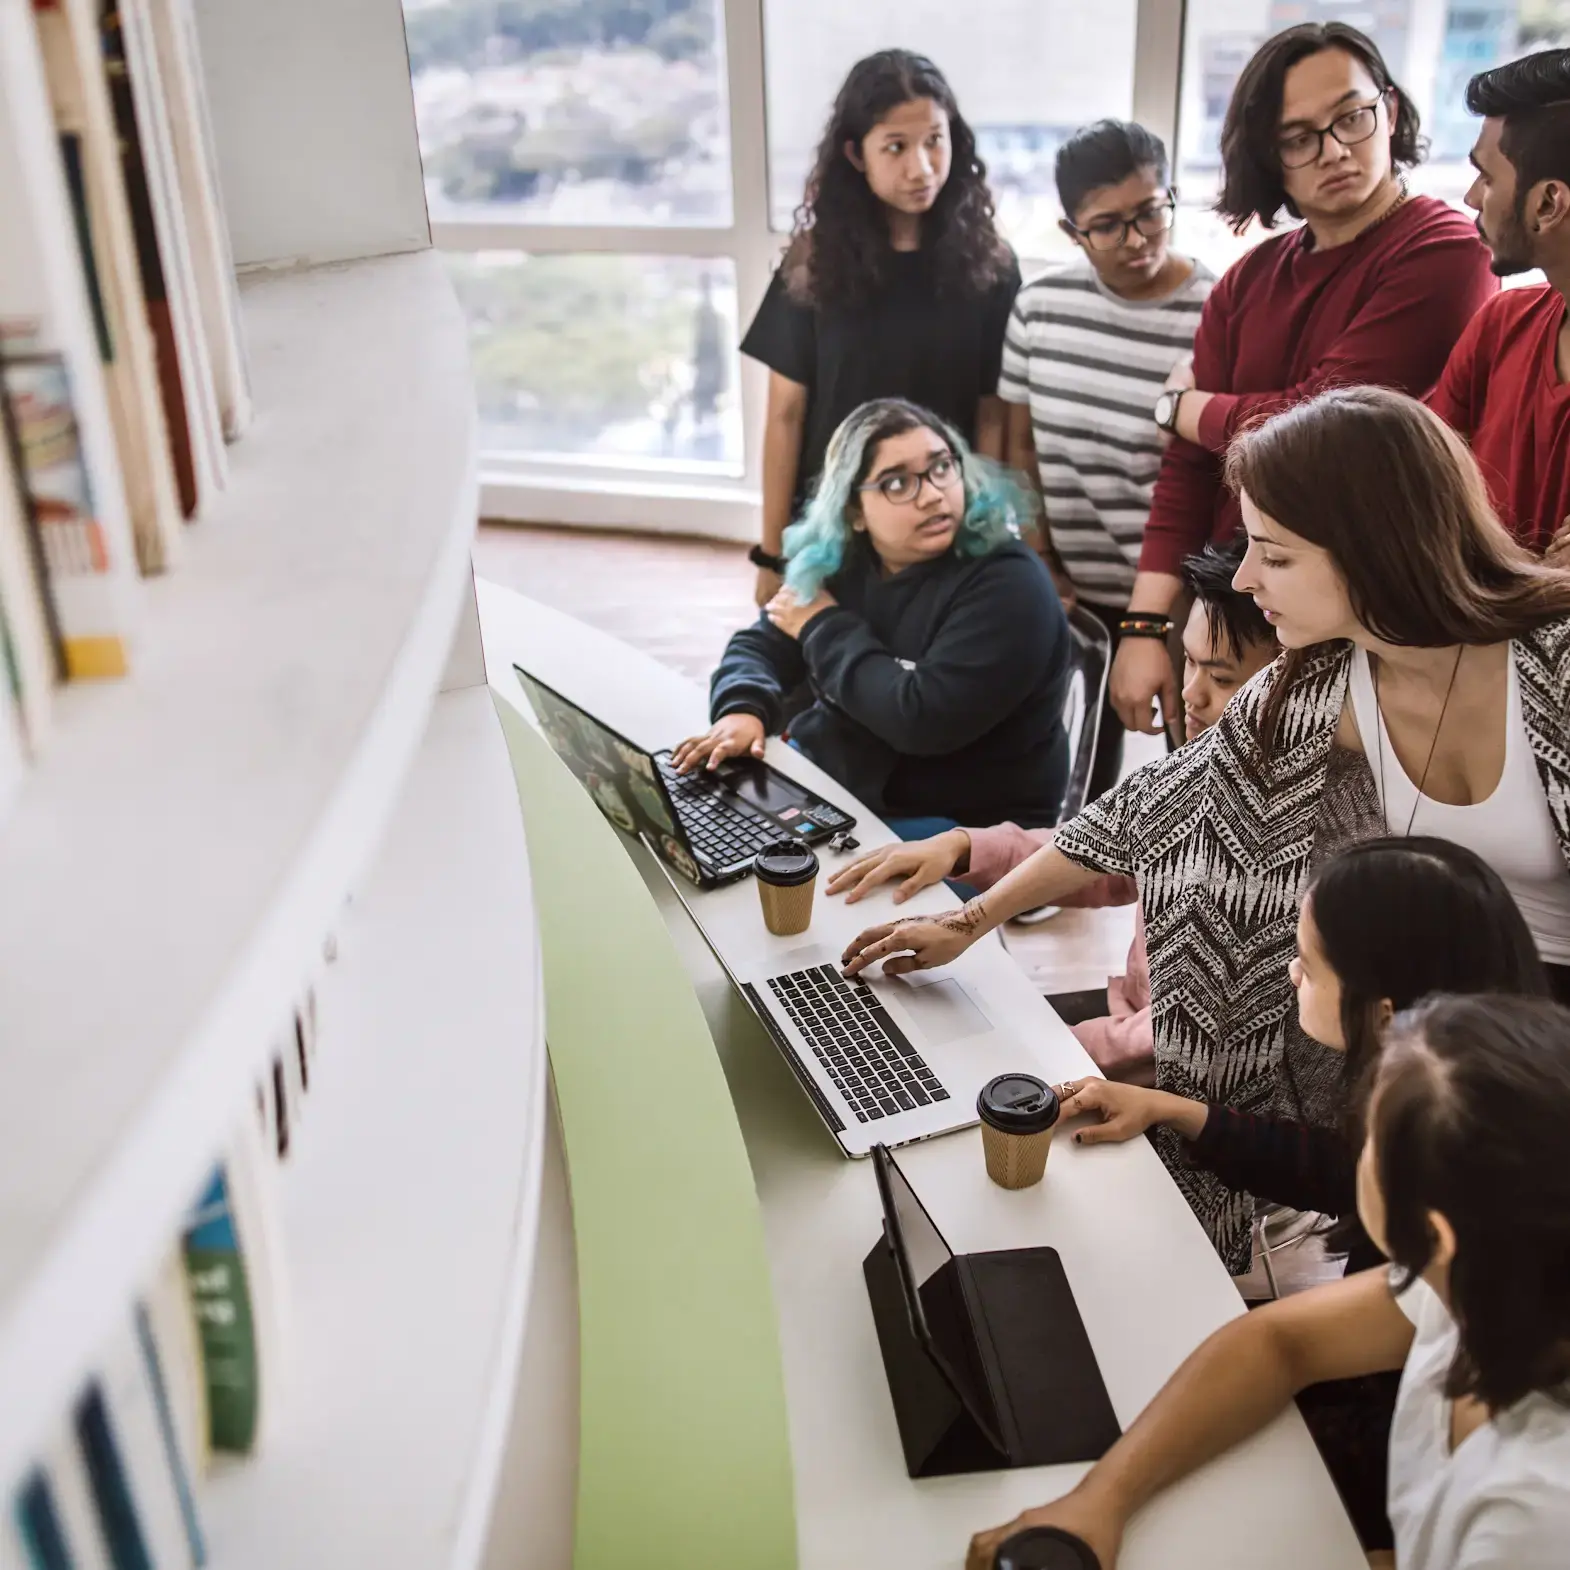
761, 558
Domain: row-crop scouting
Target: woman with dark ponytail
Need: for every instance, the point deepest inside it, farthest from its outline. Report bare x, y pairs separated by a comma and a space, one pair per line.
895, 284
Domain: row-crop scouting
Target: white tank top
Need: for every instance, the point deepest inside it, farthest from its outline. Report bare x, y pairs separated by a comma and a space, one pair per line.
1512, 831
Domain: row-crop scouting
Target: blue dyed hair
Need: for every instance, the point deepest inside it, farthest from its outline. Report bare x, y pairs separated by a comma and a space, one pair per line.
997, 510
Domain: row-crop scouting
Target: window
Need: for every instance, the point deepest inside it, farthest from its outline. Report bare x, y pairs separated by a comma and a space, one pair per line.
1431, 48
572, 111
630, 360
1026, 73
613, 180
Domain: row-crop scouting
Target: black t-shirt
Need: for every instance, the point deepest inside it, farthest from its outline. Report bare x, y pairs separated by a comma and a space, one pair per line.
941, 351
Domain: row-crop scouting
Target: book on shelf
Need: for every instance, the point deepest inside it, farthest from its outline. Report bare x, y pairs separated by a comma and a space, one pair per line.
55, 1511
155, 1484
34, 1538
46, 316
235, 1269
85, 581
118, 1518
172, 376
284, 1086
70, 42
200, 197
13, 748
171, 1325
35, 656
163, 243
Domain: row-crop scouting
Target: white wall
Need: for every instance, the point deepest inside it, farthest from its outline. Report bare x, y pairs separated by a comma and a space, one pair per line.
314, 121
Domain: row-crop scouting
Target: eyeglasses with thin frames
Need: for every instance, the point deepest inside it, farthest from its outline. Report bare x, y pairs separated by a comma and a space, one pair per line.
903, 487
1302, 148
1107, 234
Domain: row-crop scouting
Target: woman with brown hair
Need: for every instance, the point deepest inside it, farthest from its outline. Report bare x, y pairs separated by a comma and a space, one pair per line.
1425, 688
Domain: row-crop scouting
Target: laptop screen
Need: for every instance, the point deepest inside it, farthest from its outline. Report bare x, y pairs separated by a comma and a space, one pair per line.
620, 777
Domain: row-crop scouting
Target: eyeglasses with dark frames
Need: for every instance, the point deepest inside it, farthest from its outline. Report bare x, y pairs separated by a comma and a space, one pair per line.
1300, 148
1107, 234
904, 486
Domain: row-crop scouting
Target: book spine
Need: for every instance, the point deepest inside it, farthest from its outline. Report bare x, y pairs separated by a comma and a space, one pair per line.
38, 1524
152, 97
122, 1529
204, 195
70, 43
173, 1452
77, 556
149, 260
46, 310
37, 651
226, 1323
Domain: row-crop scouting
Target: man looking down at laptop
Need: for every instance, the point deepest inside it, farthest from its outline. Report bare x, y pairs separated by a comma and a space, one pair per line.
930, 635
1226, 641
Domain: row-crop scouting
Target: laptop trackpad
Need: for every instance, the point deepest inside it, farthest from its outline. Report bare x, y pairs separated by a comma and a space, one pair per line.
942, 1009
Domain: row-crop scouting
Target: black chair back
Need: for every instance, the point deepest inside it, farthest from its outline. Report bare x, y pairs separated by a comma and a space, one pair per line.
1092, 657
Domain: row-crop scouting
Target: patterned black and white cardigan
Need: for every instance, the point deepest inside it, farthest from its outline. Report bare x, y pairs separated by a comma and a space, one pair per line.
1222, 844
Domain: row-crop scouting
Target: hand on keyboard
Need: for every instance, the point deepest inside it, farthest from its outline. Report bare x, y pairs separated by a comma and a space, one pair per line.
729, 737
917, 942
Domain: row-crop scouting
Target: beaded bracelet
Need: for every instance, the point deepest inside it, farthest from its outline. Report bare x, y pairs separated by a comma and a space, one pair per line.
1138, 626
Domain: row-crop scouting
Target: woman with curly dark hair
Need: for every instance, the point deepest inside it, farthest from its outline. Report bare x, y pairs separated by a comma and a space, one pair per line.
895, 284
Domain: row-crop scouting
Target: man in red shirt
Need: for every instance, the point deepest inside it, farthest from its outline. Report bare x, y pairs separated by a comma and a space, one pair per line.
1507, 385
1376, 286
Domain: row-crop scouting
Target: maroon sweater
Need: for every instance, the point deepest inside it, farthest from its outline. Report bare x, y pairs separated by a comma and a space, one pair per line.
1501, 390
1288, 321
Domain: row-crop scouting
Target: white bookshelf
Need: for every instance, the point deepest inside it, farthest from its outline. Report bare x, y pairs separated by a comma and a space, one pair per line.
176, 858
409, 1209
306, 745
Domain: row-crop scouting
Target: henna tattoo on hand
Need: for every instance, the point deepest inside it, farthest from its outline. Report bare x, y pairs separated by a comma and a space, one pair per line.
967, 921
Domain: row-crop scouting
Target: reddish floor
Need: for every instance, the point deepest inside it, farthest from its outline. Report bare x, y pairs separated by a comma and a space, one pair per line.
677, 599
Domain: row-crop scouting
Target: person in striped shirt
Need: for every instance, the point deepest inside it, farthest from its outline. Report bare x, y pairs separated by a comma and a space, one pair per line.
1090, 345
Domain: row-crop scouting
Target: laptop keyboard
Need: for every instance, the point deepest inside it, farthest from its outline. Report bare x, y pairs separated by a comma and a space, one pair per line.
721, 830
868, 1057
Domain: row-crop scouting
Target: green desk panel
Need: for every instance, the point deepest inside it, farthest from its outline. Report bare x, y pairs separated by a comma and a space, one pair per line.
684, 1453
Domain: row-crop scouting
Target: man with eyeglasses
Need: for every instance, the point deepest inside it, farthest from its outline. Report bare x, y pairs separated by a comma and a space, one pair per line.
1507, 386
1090, 344
1375, 286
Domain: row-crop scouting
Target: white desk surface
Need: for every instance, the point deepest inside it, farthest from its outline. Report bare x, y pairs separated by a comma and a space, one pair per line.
1148, 1284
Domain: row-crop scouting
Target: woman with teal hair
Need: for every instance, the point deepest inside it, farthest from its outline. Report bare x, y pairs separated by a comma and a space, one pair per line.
929, 634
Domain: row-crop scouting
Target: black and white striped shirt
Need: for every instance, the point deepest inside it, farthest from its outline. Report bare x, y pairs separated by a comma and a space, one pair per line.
1091, 365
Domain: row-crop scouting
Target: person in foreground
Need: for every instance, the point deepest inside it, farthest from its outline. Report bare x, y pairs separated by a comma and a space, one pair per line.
1463, 1185
1383, 924
934, 643
1225, 642
1506, 387
1375, 288
1434, 701
896, 284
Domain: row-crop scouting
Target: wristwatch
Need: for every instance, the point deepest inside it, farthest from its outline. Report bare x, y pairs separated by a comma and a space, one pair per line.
761, 558
1167, 408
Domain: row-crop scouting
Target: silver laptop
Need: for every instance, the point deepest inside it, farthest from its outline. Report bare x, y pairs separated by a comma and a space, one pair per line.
885, 1060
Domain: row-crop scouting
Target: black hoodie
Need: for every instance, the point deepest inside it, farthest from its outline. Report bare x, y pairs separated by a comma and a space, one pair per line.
937, 692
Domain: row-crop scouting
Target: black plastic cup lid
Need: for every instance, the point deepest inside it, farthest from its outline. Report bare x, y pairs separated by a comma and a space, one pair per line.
1018, 1104
785, 864
1045, 1548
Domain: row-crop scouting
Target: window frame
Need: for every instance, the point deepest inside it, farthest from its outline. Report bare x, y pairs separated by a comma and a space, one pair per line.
587, 492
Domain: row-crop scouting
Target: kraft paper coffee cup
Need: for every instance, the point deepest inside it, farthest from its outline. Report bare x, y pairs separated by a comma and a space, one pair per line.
786, 875
1018, 1114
